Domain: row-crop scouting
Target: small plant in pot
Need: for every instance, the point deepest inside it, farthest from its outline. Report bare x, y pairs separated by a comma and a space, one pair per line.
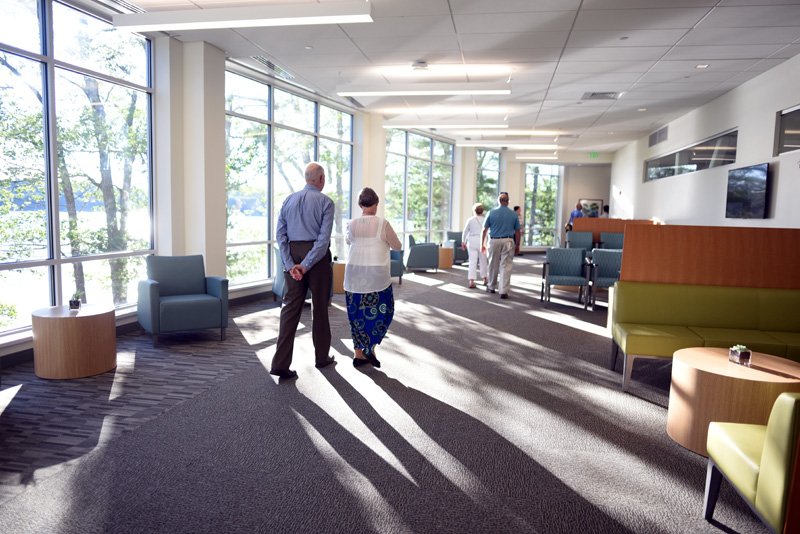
739, 354
75, 301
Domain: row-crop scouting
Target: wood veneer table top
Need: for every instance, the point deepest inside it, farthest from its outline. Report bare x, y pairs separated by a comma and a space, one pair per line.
763, 367
86, 310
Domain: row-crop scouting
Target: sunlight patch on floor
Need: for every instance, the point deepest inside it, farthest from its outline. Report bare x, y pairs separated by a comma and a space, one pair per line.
126, 364
571, 322
7, 395
259, 327
374, 506
425, 280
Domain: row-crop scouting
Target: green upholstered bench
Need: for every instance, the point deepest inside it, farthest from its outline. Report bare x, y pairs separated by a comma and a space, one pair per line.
654, 320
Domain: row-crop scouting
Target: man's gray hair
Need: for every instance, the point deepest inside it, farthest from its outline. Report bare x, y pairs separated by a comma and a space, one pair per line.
314, 172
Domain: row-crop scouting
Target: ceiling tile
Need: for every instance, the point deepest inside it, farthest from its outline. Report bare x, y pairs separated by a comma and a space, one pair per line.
641, 4
703, 36
511, 6
596, 78
568, 66
509, 41
753, 16
613, 38
721, 52
549, 21
632, 19
519, 55
614, 54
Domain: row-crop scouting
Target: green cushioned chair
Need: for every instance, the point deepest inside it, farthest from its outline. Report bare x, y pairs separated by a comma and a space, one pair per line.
758, 460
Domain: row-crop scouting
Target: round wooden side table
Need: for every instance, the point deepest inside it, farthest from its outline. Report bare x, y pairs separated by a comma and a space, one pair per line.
707, 387
74, 343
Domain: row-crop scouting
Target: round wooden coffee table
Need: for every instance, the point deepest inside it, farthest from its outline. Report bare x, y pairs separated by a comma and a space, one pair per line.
707, 387
74, 343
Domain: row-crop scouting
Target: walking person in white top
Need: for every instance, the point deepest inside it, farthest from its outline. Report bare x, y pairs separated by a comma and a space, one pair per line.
367, 280
471, 242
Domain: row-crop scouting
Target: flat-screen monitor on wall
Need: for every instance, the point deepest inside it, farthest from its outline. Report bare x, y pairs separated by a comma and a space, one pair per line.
747, 192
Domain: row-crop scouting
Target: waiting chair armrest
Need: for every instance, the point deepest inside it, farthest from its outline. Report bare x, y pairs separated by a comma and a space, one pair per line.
217, 286
147, 306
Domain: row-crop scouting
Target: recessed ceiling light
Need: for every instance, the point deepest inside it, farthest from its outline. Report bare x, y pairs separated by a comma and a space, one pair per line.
701, 66
623, 38
246, 17
642, 109
309, 47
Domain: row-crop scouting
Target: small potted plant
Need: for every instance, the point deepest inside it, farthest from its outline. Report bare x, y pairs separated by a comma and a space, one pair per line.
75, 301
739, 354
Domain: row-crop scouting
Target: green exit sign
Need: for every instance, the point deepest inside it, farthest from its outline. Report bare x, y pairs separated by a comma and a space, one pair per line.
593, 155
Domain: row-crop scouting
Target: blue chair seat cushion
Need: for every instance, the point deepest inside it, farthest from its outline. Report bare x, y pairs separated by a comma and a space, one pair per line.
737, 449
606, 281
566, 280
190, 312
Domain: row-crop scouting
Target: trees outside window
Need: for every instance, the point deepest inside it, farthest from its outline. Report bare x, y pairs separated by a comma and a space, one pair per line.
75, 215
269, 143
488, 181
540, 210
419, 183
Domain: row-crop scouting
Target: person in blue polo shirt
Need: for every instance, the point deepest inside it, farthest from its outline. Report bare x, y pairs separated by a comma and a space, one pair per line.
503, 228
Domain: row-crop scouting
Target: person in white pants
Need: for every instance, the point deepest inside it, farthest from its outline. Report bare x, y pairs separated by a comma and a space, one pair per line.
503, 227
471, 242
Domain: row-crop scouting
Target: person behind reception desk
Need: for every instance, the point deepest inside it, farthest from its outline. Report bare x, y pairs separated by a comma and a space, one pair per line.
577, 213
604, 215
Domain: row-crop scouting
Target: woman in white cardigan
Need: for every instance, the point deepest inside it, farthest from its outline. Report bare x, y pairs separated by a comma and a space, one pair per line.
367, 282
471, 241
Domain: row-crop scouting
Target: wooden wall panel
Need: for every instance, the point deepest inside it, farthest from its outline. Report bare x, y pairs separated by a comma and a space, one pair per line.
597, 225
712, 255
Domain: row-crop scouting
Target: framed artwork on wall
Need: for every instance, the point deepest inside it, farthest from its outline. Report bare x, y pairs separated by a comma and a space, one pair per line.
591, 207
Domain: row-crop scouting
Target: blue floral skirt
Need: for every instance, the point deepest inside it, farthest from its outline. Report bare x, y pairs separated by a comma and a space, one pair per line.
370, 315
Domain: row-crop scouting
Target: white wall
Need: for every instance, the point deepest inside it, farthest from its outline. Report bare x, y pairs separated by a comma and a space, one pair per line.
584, 181
699, 198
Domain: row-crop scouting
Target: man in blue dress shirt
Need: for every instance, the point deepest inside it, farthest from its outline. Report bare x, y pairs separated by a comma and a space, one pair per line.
503, 227
304, 234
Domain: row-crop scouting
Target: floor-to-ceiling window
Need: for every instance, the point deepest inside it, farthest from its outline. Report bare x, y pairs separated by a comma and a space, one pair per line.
540, 210
488, 180
271, 135
75, 178
419, 184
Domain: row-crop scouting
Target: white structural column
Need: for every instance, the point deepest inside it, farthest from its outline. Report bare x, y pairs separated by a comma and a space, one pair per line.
465, 183
168, 146
374, 162
204, 154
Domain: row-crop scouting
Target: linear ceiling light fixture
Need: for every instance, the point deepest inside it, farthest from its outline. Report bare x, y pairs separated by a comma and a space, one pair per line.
425, 89
507, 144
522, 133
444, 110
444, 125
417, 69
246, 17
529, 157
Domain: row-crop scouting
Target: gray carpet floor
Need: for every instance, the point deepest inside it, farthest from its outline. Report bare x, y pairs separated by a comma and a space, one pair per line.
487, 415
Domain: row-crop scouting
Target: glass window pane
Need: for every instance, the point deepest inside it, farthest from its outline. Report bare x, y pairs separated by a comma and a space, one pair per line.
487, 191
294, 111
293, 152
395, 185
88, 42
23, 197
246, 96
708, 154
335, 123
417, 200
789, 132
21, 292
440, 197
247, 264
337, 159
396, 141
442, 151
113, 282
248, 179
103, 169
541, 192
19, 25
419, 146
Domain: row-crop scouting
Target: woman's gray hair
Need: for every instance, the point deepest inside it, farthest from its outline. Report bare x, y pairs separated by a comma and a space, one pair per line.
477, 208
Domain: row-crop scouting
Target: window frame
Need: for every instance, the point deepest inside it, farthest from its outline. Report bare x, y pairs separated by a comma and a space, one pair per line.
685, 151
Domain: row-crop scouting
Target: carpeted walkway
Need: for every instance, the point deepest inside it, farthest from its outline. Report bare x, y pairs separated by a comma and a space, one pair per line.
487, 415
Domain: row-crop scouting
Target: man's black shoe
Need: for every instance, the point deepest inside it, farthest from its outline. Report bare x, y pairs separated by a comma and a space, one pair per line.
504, 296
327, 362
284, 374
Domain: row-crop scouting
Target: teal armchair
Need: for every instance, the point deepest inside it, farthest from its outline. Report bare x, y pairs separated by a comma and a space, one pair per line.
605, 269
565, 267
760, 461
581, 240
279, 281
177, 295
422, 255
613, 240
459, 255
396, 267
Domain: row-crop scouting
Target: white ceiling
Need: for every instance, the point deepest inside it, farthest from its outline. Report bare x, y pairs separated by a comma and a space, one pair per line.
558, 50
